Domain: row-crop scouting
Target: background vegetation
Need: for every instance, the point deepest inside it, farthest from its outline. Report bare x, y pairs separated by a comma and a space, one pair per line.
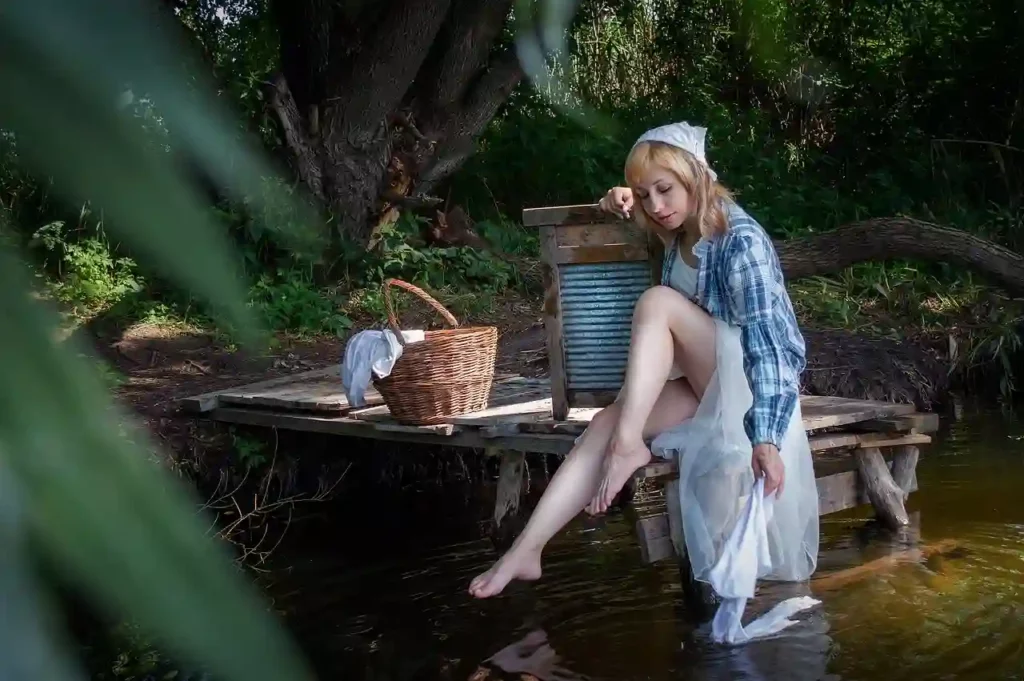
819, 114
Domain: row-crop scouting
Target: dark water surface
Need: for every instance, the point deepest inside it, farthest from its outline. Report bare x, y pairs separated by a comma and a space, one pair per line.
378, 590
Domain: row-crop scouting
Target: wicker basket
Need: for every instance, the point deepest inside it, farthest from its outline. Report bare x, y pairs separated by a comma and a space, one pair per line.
448, 373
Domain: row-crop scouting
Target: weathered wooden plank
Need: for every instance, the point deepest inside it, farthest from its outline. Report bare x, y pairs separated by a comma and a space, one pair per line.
818, 411
576, 214
594, 254
828, 412
209, 401
347, 426
600, 234
836, 492
830, 441
434, 429
553, 325
508, 398
322, 394
589, 399
908, 423
655, 538
506, 413
675, 518
819, 444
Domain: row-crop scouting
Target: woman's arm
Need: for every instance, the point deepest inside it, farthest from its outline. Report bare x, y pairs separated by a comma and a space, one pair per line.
753, 285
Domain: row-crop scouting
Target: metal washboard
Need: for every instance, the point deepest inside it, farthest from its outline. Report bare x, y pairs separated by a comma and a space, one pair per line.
597, 311
596, 267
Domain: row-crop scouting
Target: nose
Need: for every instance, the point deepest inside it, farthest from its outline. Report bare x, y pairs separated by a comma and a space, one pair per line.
658, 206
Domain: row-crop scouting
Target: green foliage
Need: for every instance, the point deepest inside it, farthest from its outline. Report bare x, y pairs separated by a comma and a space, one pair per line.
291, 300
78, 484
251, 453
467, 278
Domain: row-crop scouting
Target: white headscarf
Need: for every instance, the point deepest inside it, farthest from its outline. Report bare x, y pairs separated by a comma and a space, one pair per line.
684, 136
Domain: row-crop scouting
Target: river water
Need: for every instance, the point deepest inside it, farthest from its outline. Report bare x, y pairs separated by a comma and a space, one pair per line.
376, 589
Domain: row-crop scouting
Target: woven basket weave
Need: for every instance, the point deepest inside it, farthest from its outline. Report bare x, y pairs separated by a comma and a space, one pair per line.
446, 374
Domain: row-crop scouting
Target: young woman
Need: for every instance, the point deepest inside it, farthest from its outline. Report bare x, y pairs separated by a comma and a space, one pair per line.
712, 377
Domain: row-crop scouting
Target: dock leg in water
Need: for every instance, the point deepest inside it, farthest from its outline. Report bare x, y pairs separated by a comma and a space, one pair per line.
904, 468
510, 483
508, 520
699, 598
885, 495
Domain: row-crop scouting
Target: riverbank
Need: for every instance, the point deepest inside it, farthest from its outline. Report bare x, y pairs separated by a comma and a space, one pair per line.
253, 482
883, 354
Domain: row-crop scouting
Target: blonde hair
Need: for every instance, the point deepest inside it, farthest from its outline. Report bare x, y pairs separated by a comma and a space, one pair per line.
707, 194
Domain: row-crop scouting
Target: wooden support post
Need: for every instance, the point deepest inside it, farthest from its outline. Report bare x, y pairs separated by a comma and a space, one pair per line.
904, 468
885, 495
700, 599
553, 324
510, 484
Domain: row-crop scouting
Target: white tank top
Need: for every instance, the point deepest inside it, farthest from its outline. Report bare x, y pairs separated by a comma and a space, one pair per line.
681, 276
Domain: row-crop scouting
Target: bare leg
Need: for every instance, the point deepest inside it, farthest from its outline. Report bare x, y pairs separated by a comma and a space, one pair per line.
573, 486
666, 326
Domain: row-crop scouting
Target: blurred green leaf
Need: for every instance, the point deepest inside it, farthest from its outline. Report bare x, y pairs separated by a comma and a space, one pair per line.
29, 646
104, 513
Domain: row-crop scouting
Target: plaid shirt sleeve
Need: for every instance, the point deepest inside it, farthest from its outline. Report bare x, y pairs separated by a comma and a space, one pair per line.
752, 283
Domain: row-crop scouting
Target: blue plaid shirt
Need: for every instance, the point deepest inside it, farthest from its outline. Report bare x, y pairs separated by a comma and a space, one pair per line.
740, 282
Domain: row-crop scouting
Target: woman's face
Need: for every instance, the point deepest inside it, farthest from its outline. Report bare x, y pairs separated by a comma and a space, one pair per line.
664, 199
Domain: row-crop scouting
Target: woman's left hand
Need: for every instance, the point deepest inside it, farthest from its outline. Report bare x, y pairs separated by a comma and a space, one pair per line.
767, 462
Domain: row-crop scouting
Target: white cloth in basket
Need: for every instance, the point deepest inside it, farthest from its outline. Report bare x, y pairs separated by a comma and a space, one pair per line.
723, 524
371, 351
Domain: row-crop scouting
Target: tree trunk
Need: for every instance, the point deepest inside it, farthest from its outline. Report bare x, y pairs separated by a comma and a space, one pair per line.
379, 101
892, 238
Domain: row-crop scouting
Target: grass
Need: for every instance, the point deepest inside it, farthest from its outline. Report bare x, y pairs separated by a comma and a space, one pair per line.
977, 326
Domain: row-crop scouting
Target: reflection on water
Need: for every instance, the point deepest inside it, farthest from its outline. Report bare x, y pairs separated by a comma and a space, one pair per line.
378, 591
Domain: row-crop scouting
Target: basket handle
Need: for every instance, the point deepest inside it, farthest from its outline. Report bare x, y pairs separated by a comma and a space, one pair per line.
389, 304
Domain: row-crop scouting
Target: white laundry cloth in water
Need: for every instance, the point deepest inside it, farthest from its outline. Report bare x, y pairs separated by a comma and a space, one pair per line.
744, 557
733, 535
367, 351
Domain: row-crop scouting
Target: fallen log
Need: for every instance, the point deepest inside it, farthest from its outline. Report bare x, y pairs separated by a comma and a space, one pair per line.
891, 238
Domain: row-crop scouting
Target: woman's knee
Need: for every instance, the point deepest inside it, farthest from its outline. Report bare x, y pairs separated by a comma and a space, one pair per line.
663, 301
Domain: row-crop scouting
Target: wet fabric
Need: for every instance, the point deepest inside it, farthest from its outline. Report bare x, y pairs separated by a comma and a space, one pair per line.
717, 486
734, 576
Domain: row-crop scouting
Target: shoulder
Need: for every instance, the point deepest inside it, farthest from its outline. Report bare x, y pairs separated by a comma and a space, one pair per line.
745, 239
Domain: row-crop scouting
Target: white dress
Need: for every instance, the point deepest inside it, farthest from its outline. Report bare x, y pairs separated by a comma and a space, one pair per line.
713, 453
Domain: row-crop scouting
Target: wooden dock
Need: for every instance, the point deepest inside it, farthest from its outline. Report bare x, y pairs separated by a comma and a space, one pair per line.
595, 268
851, 439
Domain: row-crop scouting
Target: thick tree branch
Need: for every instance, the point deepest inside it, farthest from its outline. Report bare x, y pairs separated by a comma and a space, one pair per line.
305, 27
461, 51
306, 159
892, 238
384, 69
487, 95
465, 125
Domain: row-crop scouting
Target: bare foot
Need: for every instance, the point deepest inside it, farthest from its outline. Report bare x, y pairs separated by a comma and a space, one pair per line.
623, 458
516, 564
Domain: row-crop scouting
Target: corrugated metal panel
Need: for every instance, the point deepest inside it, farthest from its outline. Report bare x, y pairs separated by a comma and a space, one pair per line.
597, 312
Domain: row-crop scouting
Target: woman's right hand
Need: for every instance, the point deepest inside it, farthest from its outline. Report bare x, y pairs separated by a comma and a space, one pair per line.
618, 200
